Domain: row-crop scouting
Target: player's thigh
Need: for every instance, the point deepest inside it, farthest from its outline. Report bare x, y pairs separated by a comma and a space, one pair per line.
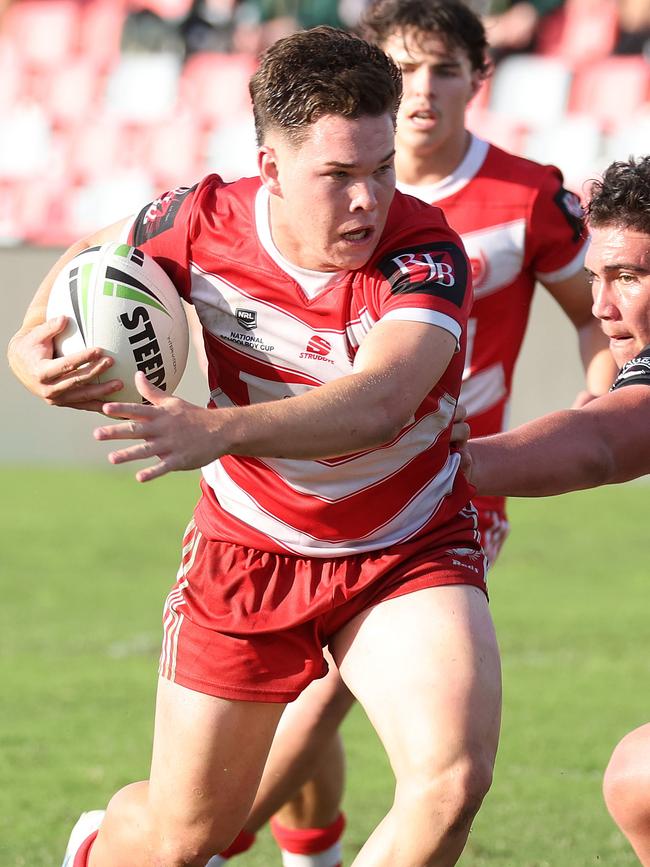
208, 756
426, 668
319, 709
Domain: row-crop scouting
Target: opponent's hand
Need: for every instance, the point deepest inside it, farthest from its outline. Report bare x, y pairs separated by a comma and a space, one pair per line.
69, 381
181, 435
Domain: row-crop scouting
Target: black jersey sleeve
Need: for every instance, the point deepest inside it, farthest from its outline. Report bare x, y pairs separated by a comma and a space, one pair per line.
635, 372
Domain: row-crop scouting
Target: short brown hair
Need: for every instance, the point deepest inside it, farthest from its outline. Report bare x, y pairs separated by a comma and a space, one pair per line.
622, 197
317, 72
453, 21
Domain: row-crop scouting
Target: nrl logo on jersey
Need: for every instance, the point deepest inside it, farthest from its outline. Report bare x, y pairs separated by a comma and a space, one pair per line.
246, 318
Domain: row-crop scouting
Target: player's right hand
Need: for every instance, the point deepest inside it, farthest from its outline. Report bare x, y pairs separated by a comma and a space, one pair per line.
70, 381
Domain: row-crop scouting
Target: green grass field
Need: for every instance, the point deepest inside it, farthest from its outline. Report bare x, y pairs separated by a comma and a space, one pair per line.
86, 560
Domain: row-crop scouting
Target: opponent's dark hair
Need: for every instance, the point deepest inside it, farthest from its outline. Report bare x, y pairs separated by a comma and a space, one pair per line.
317, 72
622, 196
454, 22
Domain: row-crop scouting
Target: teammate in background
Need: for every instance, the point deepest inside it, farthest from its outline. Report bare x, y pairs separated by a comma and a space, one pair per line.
519, 227
332, 511
605, 441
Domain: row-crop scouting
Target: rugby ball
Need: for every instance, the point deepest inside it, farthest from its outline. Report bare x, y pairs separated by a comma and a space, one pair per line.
120, 299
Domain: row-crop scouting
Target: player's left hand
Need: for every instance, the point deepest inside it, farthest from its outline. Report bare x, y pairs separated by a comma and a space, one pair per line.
181, 435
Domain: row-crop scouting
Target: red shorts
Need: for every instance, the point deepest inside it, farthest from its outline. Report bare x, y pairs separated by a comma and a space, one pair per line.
494, 529
250, 625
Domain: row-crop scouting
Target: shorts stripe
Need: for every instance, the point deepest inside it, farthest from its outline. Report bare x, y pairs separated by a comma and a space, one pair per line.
172, 617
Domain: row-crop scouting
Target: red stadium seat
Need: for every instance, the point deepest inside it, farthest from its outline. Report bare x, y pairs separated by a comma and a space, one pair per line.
574, 146
71, 92
580, 31
611, 90
215, 86
143, 88
502, 131
101, 31
46, 32
531, 89
172, 152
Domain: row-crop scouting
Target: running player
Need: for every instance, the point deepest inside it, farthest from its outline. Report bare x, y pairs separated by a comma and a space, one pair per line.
332, 512
520, 228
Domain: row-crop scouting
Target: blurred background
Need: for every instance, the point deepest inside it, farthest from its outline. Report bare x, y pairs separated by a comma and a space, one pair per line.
104, 104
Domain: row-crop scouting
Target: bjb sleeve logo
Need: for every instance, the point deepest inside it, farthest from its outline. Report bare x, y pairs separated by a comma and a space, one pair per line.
159, 215
572, 211
438, 269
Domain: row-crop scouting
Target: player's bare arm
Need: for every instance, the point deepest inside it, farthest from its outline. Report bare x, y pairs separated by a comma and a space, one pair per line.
603, 443
69, 381
396, 367
574, 297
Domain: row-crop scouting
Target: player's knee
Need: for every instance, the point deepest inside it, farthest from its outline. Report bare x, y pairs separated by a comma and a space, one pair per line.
187, 846
452, 797
626, 781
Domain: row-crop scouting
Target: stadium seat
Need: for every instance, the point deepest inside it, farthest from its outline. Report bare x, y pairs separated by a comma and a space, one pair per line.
231, 150
573, 145
215, 86
172, 150
505, 132
579, 31
143, 88
70, 92
25, 141
612, 90
531, 89
101, 31
45, 32
11, 78
106, 200
630, 139
95, 149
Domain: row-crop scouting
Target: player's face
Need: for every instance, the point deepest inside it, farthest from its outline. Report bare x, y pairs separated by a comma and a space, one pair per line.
618, 263
438, 84
331, 194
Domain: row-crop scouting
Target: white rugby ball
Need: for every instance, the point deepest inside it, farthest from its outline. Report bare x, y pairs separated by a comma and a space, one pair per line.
120, 299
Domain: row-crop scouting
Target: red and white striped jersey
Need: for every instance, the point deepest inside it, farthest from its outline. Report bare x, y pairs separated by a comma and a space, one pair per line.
518, 225
273, 330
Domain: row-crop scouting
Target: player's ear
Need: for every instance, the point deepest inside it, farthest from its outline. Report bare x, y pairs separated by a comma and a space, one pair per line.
267, 163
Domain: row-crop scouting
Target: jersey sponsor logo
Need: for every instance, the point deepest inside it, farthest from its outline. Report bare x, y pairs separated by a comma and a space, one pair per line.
438, 269
572, 211
246, 318
317, 349
159, 216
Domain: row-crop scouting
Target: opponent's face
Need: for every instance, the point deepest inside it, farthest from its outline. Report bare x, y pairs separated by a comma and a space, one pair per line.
438, 83
618, 262
330, 194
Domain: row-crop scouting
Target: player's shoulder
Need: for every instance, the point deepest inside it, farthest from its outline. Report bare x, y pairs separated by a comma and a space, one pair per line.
410, 217
635, 372
518, 169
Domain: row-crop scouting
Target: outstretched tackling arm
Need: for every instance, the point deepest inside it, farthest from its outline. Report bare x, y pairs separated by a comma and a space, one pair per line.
603, 443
